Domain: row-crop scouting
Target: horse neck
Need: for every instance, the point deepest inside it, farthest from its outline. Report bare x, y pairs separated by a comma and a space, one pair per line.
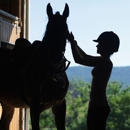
56, 57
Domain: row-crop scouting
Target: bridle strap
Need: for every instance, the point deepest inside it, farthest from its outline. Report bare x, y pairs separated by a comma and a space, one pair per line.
66, 67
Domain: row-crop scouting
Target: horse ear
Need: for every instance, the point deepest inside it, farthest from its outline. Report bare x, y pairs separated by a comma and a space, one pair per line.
49, 10
66, 11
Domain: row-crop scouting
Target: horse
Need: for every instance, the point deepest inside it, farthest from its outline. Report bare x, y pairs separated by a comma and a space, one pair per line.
34, 75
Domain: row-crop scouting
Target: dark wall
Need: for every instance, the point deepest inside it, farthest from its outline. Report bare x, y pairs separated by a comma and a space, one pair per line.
11, 6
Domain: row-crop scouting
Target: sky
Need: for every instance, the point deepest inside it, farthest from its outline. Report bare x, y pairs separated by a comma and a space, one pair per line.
87, 20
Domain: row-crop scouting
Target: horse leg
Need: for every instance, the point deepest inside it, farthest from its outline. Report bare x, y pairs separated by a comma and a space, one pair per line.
7, 115
35, 115
59, 115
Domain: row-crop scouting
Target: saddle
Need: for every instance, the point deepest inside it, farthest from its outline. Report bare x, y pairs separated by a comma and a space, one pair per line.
22, 52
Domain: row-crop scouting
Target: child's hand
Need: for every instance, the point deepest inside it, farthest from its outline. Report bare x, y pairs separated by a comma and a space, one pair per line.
70, 37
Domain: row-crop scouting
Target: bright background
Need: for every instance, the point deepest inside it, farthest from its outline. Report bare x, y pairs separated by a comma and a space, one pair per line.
87, 20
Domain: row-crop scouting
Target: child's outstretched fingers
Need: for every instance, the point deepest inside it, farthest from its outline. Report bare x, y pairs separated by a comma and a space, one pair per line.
70, 37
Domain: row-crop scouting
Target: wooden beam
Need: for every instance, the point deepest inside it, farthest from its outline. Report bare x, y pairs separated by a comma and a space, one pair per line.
22, 17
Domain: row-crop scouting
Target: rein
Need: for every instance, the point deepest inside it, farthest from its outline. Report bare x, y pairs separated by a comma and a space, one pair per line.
60, 65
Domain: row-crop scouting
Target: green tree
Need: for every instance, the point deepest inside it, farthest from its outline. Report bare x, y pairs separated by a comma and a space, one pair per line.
119, 100
77, 105
77, 102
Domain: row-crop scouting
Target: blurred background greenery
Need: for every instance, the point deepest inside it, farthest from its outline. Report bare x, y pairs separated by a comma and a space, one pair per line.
77, 100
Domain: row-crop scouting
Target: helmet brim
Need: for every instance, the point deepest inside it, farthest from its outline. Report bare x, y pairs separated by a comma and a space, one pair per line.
95, 40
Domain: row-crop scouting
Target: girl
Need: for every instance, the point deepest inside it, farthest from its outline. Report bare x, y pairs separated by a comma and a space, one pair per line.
98, 109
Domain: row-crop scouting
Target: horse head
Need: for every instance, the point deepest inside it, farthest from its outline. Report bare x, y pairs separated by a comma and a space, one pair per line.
56, 32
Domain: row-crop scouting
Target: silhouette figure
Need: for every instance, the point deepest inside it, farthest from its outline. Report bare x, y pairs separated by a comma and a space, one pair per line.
33, 75
98, 109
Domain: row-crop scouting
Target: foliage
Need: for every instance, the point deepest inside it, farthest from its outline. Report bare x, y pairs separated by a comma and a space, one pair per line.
77, 104
119, 99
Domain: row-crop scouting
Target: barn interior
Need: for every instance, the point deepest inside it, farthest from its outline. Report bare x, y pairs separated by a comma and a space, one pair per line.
14, 21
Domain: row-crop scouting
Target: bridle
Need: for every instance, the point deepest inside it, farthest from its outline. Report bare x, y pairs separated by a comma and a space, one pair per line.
60, 67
